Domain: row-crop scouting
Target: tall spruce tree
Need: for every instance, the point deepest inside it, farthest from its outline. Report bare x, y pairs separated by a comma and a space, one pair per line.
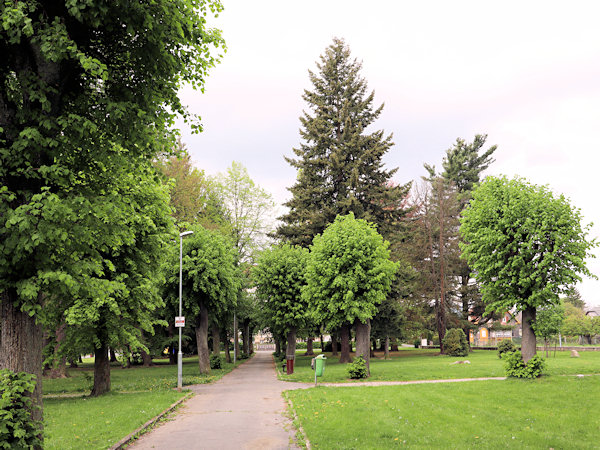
339, 163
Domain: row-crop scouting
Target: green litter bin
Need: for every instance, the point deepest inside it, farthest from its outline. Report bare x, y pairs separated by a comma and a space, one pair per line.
319, 366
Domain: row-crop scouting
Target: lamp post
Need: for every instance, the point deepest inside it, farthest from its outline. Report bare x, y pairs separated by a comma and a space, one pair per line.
179, 354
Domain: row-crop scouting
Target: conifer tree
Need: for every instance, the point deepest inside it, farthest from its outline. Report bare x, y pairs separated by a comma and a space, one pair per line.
339, 163
463, 166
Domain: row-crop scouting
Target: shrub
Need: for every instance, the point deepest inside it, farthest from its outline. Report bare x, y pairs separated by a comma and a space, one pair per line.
216, 362
417, 343
455, 343
357, 369
515, 367
17, 428
506, 346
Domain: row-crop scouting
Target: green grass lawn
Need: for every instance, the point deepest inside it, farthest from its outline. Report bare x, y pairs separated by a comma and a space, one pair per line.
160, 376
416, 364
550, 412
73, 420
100, 422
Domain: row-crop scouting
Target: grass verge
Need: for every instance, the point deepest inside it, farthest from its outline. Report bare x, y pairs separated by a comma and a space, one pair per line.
100, 422
415, 364
550, 412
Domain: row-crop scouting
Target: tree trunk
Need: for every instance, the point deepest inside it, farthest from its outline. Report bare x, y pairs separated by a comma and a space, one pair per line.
345, 338
309, 347
226, 346
322, 344
21, 346
146, 358
363, 342
101, 371
277, 346
246, 336
113, 356
59, 369
290, 351
373, 348
386, 352
394, 344
528, 344
334, 344
216, 340
236, 342
202, 339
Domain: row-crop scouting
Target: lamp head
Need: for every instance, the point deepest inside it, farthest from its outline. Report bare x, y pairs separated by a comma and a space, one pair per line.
185, 233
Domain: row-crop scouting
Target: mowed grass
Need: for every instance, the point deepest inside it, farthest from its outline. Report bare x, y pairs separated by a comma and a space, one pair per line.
418, 364
550, 412
100, 422
73, 420
160, 376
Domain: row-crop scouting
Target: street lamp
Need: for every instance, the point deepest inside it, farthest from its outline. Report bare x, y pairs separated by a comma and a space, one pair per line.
179, 321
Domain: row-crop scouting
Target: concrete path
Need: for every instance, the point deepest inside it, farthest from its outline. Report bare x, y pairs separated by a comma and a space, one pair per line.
243, 410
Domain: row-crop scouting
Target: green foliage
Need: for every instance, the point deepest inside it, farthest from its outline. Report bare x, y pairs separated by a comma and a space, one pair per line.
279, 277
348, 272
549, 321
216, 362
17, 428
463, 164
339, 163
209, 271
506, 346
515, 367
357, 369
246, 208
524, 245
455, 343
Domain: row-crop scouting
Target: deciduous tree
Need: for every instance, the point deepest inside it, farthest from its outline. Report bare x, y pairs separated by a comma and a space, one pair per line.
526, 247
280, 277
77, 80
211, 283
349, 273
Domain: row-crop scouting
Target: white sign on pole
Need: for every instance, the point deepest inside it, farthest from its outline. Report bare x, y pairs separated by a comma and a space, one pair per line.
179, 322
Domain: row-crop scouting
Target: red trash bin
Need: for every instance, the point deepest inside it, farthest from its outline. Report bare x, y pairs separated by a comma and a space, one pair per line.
289, 365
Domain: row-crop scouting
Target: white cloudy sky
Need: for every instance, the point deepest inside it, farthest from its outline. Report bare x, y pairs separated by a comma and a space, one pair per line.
525, 73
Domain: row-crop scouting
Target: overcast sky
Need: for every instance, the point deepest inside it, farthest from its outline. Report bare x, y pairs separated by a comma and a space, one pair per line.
525, 73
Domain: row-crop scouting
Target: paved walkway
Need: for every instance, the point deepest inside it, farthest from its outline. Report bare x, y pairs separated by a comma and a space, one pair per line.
243, 410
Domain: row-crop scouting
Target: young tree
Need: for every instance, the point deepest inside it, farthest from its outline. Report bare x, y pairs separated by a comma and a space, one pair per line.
526, 247
349, 272
211, 283
279, 277
340, 168
548, 322
77, 80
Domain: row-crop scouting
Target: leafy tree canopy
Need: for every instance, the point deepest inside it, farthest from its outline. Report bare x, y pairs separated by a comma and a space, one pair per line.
348, 272
525, 245
209, 273
280, 277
